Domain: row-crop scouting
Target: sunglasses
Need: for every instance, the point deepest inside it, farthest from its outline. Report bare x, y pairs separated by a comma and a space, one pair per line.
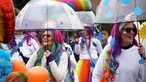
47, 35
128, 30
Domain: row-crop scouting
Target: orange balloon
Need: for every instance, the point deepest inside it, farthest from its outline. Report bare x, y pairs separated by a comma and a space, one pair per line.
38, 74
19, 66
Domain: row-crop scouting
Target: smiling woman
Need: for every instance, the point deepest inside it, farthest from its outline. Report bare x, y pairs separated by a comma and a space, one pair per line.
47, 39
128, 32
51, 55
124, 49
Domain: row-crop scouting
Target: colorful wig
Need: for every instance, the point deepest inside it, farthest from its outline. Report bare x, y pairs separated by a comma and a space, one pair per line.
111, 65
17, 77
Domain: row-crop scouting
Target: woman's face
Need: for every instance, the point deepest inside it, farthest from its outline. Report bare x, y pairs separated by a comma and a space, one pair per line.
127, 34
18, 34
86, 31
47, 38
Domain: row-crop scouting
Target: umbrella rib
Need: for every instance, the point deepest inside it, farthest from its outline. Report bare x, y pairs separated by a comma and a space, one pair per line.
115, 14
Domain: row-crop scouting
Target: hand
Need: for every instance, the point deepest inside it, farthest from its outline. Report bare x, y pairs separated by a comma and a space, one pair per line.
47, 53
141, 50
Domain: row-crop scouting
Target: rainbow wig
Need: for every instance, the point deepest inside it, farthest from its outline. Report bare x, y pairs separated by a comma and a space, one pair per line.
111, 64
58, 41
17, 77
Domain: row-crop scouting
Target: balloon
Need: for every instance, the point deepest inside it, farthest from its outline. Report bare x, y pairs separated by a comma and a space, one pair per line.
7, 20
19, 66
38, 74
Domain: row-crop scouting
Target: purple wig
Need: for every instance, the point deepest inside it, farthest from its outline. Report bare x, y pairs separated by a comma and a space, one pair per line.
91, 34
90, 28
28, 37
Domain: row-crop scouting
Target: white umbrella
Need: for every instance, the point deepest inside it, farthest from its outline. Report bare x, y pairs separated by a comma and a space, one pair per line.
113, 11
87, 17
38, 13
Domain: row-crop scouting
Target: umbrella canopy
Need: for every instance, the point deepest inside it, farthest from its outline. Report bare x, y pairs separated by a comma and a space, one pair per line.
42, 14
87, 17
113, 11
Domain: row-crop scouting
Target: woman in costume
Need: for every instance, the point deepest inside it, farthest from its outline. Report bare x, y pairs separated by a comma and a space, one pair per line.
120, 61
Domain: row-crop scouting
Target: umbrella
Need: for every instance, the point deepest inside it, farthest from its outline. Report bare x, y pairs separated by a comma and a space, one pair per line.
120, 11
87, 17
113, 11
36, 14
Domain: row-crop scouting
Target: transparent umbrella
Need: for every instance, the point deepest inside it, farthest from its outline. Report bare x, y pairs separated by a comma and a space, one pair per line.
87, 17
37, 13
118, 10
113, 11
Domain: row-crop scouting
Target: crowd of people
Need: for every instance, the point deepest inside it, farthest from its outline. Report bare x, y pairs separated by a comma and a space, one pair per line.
53, 55
119, 60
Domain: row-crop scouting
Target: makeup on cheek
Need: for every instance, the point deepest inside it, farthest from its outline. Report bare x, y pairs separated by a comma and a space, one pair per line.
124, 32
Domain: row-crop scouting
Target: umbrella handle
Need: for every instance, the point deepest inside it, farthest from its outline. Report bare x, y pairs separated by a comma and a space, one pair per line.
138, 37
142, 56
138, 32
